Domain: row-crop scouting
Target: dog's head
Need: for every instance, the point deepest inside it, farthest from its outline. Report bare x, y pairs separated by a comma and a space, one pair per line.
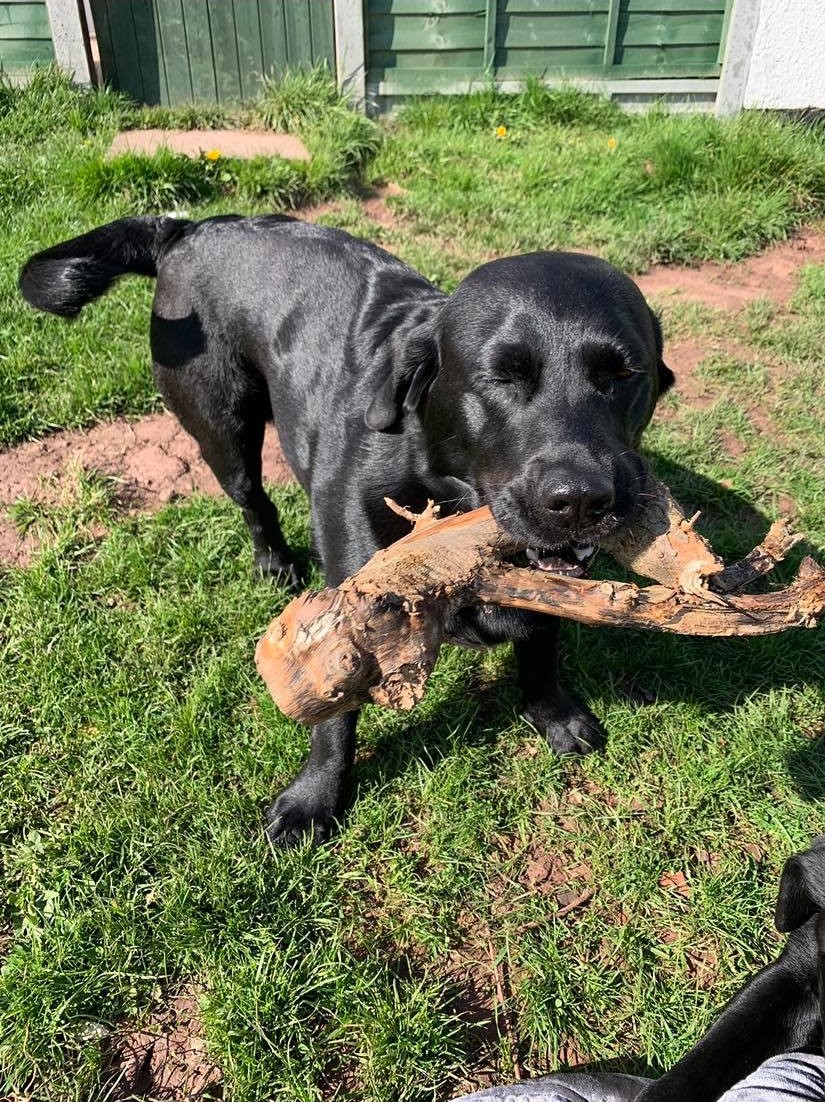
532, 385
802, 888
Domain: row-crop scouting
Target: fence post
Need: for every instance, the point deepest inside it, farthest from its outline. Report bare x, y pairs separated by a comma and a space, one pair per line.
350, 50
609, 57
490, 17
70, 38
741, 35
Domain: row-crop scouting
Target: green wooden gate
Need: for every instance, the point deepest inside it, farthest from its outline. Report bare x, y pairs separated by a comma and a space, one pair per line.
25, 36
441, 45
183, 51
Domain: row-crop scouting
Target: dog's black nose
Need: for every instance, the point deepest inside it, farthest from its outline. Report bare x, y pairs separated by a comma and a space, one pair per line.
578, 505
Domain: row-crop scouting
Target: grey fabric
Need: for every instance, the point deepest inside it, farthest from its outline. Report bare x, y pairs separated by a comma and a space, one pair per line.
795, 1077
574, 1086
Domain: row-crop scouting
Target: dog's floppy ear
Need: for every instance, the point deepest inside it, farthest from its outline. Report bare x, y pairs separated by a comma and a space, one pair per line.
412, 370
802, 888
666, 376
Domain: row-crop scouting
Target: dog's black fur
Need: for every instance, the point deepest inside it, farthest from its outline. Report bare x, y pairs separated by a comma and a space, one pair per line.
527, 388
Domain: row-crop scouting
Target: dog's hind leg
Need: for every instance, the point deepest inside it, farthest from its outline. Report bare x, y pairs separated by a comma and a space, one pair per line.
225, 407
236, 463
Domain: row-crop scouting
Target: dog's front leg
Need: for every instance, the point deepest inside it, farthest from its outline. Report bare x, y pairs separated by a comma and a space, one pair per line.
566, 724
777, 1012
319, 794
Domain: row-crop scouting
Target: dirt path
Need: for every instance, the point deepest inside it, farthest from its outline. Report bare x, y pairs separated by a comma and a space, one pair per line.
156, 462
771, 274
152, 459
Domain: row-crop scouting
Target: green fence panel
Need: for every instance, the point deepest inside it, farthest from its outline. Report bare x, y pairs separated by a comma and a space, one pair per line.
418, 46
25, 36
174, 79
216, 51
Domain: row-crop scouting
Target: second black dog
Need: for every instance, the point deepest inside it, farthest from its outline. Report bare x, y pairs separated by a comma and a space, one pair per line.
527, 388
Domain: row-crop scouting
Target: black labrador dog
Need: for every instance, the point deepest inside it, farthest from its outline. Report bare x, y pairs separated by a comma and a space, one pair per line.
527, 388
780, 1011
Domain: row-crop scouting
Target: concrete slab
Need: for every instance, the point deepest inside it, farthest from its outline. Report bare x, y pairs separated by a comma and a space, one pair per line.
229, 143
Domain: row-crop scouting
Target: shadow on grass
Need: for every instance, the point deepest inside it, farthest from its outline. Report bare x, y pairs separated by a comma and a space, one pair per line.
471, 714
806, 766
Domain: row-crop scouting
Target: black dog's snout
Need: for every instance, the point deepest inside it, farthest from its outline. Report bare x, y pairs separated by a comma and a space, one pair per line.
577, 504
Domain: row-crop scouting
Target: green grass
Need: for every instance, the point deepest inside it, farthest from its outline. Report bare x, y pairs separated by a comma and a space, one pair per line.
138, 748
572, 171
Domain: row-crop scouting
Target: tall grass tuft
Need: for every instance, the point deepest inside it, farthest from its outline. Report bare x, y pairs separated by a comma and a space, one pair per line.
51, 103
307, 102
535, 107
147, 183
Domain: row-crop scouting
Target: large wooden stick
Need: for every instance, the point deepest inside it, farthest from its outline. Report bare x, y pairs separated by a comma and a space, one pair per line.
377, 636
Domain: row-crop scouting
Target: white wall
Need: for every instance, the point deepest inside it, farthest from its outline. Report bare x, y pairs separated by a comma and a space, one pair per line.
787, 65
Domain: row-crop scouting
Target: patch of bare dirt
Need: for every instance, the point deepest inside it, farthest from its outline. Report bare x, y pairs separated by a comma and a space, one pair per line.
771, 274
732, 444
375, 204
703, 966
683, 357
760, 420
152, 459
548, 873
314, 212
165, 1060
571, 1055
474, 1002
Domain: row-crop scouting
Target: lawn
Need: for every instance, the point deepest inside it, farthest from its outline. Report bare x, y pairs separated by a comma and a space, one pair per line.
613, 902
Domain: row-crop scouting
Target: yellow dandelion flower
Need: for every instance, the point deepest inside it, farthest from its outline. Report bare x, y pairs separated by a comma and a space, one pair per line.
501, 131
212, 154
611, 143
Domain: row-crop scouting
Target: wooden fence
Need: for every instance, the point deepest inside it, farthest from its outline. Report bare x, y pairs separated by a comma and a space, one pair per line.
179, 51
25, 36
441, 46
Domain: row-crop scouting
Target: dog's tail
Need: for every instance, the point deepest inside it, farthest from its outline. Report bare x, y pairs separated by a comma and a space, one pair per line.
63, 279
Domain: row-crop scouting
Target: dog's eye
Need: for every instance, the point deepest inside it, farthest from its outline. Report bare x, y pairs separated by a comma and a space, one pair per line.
512, 369
606, 364
613, 369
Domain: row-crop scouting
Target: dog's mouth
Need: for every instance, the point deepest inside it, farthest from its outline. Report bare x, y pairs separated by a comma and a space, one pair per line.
572, 560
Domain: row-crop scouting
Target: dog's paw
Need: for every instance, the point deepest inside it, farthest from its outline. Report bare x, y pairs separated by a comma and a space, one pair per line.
271, 564
567, 725
302, 813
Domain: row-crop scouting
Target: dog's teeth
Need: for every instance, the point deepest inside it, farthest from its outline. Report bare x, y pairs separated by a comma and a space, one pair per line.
583, 553
532, 554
